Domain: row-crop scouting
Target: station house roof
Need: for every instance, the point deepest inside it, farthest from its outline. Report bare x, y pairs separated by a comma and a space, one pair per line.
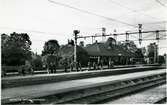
103, 49
67, 51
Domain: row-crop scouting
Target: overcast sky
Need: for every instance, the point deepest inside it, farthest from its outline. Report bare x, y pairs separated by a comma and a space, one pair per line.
44, 20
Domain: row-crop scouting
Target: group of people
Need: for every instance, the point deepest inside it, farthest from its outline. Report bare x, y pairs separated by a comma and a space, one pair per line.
51, 67
66, 65
71, 66
99, 65
77, 65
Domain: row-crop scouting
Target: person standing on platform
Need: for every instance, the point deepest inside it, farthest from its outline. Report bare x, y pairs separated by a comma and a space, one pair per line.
79, 66
89, 65
54, 67
101, 64
51, 67
65, 65
94, 65
71, 66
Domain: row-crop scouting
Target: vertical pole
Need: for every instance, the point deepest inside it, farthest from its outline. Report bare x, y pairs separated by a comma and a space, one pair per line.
103, 33
155, 53
75, 48
157, 47
115, 35
140, 33
92, 39
76, 32
127, 37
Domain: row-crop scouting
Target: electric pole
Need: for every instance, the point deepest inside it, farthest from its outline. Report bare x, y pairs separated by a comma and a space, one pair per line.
115, 35
140, 33
103, 33
155, 52
157, 38
127, 37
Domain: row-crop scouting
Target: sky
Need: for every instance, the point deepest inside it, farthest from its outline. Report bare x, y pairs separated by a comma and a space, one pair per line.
56, 19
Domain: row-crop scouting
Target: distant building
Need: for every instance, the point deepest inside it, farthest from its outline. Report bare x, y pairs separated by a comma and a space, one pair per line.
67, 52
108, 51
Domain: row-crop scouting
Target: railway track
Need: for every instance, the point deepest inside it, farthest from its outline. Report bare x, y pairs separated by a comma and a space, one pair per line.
161, 101
99, 92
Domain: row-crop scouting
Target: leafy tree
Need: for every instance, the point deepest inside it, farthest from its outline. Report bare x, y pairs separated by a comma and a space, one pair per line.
81, 43
71, 42
130, 45
51, 47
15, 49
50, 52
37, 62
4, 39
161, 59
151, 49
139, 53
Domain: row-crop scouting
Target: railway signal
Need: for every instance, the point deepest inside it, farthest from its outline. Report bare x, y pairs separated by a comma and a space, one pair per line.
76, 32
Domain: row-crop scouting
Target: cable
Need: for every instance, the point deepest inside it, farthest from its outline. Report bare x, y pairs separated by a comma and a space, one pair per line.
134, 37
163, 36
158, 22
149, 35
33, 31
91, 13
161, 3
135, 11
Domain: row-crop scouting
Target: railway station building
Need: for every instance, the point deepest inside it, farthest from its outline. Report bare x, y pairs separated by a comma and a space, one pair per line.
67, 52
108, 51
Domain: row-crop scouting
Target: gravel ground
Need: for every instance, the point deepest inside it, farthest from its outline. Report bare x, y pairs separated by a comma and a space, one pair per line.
146, 97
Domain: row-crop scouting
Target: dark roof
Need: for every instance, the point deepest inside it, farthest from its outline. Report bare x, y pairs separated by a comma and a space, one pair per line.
68, 50
102, 49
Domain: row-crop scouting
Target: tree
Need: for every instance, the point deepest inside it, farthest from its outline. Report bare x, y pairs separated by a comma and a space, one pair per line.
152, 51
15, 49
81, 43
4, 39
139, 53
37, 62
71, 42
130, 45
51, 47
50, 53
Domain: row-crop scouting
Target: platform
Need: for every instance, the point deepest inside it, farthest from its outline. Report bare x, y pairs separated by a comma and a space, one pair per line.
28, 92
48, 78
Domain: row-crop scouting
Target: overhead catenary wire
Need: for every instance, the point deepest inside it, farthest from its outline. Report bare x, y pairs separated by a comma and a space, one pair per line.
33, 31
132, 10
149, 35
152, 39
120, 34
91, 13
161, 3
